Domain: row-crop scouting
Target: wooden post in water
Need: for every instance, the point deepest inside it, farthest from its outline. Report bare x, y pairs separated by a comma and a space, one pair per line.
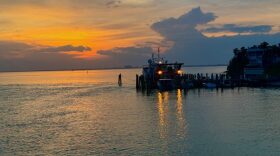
141, 82
120, 80
198, 76
137, 81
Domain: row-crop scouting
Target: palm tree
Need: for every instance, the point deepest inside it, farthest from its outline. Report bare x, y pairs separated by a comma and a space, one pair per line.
238, 63
236, 51
264, 45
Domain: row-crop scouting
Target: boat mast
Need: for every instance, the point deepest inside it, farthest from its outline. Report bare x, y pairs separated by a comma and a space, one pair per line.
158, 53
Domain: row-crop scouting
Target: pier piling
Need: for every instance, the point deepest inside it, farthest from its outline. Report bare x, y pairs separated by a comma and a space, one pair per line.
199, 80
120, 80
137, 81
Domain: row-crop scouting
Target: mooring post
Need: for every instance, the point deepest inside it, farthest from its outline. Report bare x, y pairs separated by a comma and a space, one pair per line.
141, 82
137, 81
120, 80
198, 76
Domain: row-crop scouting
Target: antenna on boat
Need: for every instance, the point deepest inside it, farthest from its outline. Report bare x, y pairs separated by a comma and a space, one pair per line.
158, 52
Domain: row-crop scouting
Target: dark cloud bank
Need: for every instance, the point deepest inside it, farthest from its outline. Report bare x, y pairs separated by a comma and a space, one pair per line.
189, 46
18, 56
194, 48
239, 29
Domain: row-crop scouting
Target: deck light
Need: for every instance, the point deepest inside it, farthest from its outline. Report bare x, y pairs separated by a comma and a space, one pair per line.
159, 72
179, 72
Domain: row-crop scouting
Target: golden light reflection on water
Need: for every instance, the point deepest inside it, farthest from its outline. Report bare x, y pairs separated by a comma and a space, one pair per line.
162, 110
180, 115
165, 115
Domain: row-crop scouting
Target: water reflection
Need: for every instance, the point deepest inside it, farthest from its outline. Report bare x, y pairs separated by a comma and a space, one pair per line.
180, 115
171, 114
162, 110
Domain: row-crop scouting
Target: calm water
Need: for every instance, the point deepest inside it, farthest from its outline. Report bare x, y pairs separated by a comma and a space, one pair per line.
86, 113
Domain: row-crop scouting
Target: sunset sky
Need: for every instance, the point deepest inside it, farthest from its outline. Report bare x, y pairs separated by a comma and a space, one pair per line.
75, 34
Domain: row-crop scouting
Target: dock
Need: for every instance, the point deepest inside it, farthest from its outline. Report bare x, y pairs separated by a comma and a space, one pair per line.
201, 80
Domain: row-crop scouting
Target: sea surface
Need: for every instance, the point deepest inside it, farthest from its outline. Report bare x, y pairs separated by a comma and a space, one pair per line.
87, 113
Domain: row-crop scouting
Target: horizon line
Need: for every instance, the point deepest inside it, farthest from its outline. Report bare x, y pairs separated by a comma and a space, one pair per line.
109, 68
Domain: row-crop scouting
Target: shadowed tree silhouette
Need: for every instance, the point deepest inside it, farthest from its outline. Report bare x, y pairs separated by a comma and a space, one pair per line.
264, 45
237, 63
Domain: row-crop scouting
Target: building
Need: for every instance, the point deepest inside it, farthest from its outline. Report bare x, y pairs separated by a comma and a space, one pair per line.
275, 59
255, 56
254, 73
255, 69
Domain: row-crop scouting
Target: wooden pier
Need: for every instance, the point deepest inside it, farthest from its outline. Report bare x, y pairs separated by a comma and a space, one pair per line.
200, 80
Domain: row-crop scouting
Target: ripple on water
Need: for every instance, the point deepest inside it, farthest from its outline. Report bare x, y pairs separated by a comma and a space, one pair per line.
91, 118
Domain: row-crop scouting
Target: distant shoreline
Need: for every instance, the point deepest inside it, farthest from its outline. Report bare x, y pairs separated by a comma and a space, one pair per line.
214, 65
105, 68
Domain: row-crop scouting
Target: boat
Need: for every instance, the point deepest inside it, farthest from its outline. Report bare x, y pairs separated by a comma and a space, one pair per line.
165, 84
162, 75
209, 85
